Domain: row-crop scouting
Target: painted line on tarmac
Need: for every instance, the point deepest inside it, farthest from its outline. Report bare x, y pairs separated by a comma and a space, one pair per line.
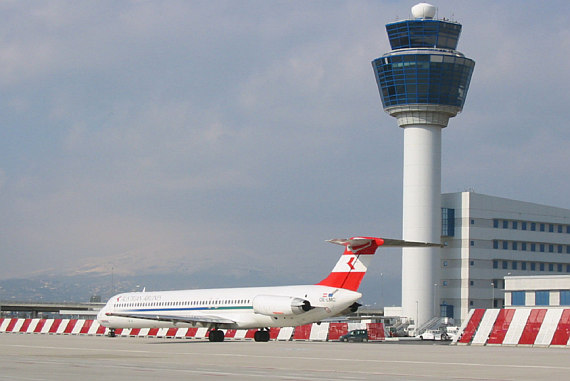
333, 359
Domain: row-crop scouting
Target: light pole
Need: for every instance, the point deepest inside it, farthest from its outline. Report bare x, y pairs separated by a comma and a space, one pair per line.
493, 294
435, 300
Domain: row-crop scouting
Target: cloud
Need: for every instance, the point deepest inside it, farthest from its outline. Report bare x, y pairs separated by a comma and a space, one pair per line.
151, 127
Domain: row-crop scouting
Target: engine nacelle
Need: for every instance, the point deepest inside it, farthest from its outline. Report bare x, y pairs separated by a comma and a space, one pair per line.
273, 305
351, 309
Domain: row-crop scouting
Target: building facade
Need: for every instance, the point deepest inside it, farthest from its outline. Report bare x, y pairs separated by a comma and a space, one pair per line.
489, 238
550, 291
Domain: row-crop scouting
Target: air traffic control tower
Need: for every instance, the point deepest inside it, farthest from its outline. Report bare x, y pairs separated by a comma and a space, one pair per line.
423, 81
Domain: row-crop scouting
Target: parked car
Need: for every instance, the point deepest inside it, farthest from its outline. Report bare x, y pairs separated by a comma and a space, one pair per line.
434, 334
356, 335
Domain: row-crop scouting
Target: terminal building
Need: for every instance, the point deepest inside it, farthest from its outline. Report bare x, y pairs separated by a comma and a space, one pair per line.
501, 253
538, 291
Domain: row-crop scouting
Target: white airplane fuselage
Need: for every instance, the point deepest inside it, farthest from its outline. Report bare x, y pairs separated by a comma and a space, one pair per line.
246, 308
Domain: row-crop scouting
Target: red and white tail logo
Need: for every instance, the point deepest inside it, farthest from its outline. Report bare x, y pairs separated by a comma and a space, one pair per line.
353, 263
358, 252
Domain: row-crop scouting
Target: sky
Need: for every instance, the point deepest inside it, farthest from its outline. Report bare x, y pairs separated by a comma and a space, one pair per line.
243, 134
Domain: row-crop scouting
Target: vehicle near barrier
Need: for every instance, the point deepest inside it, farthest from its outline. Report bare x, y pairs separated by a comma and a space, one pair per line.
356, 335
434, 334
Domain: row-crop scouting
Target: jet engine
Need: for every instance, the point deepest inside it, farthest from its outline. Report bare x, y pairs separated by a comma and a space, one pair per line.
351, 309
273, 305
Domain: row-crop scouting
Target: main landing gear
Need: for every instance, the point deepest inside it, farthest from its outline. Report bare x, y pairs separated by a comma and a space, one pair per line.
111, 332
216, 335
261, 335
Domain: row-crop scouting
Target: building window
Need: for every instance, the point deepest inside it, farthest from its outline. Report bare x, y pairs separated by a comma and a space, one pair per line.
472, 222
542, 227
559, 228
471, 283
472, 263
472, 243
559, 249
444, 263
447, 222
542, 247
515, 225
532, 266
559, 267
565, 298
495, 244
568, 229
496, 264
505, 224
533, 247
551, 248
470, 302
541, 266
542, 298
515, 245
523, 265
551, 228
518, 298
444, 283
523, 225
567, 249
505, 265
495, 223
523, 246
515, 265
533, 226
505, 245
551, 267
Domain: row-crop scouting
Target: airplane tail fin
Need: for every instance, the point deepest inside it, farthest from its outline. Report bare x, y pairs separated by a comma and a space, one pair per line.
358, 252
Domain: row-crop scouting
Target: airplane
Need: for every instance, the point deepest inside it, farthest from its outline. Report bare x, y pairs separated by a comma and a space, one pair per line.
252, 307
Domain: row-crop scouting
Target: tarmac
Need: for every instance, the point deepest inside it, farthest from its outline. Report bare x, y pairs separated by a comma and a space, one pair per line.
67, 357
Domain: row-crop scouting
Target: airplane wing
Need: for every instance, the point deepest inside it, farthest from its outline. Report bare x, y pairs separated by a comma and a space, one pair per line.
204, 319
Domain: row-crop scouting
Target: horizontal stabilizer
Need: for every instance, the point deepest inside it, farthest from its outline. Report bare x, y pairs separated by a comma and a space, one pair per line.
401, 243
358, 242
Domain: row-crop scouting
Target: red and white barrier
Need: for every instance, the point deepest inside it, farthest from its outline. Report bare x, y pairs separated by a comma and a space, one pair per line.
315, 332
541, 327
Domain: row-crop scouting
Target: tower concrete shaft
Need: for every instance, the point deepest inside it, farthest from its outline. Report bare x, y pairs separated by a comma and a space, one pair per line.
423, 82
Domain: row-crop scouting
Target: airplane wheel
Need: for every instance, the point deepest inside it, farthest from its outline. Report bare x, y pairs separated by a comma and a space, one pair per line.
216, 335
261, 336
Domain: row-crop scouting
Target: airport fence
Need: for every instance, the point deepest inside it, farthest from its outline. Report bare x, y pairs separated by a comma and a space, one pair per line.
537, 327
312, 332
